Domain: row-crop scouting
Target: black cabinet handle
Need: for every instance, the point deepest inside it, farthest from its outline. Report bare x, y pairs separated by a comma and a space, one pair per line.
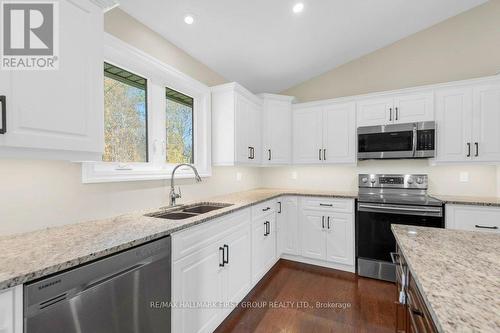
390, 114
477, 148
323, 222
226, 261
326, 205
279, 210
320, 154
468, 149
486, 227
249, 153
397, 113
417, 312
269, 153
324, 154
3, 127
267, 228
221, 264
253, 153
328, 221
266, 209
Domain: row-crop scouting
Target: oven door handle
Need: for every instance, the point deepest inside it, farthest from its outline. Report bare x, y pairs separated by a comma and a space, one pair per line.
431, 211
415, 133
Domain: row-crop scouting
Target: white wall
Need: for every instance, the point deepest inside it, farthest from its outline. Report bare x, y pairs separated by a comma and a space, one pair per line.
39, 194
442, 179
498, 181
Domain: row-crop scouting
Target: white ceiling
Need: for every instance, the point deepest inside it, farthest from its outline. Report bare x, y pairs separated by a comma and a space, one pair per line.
264, 46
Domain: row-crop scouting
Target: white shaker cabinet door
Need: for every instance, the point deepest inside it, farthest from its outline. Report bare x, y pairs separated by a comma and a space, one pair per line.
307, 136
413, 108
486, 120
340, 239
197, 278
277, 132
373, 112
312, 230
454, 124
339, 133
288, 226
61, 111
11, 310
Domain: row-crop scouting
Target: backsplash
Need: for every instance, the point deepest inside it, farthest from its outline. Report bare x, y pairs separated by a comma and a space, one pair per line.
444, 180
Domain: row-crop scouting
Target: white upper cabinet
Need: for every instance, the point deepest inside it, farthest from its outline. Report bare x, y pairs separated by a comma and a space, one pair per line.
468, 118
277, 129
396, 109
58, 114
486, 123
454, 119
324, 134
236, 126
339, 133
377, 111
307, 141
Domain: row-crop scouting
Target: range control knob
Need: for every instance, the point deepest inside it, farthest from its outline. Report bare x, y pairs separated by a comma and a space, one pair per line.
373, 180
364, 179
420, 180
410, 181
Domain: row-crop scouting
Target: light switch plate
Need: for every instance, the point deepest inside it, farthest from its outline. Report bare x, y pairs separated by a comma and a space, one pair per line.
239, 176
295, 175
464, 177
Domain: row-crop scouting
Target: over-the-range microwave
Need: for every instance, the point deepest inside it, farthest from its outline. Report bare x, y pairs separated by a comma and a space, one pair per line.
412, 140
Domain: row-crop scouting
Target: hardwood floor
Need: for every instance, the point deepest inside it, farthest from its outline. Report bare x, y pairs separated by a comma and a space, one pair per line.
363, 305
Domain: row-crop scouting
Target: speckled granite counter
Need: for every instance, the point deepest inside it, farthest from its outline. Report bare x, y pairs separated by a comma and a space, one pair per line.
458, 274
469, 200
29, 256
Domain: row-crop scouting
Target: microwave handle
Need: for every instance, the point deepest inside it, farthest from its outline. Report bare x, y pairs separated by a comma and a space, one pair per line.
3, 115
414, 139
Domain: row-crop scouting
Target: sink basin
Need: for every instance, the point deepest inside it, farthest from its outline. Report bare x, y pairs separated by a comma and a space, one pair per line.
185, 212
204, 208
173, 215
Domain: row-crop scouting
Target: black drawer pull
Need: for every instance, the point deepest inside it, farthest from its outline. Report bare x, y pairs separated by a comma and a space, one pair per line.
221, 249
326, 205
279, 211
486, 227
3, 126
266, 209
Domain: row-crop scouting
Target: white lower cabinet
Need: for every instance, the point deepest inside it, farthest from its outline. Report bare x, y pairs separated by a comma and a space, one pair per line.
11, 310
326, 234
204, 281
476, 218
287, 226
263, 245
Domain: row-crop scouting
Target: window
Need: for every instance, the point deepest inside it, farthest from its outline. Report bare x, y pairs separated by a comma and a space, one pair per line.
179, 127
148, 128
125, 116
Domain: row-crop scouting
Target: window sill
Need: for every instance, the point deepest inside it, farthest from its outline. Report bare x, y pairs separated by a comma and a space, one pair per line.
102, 172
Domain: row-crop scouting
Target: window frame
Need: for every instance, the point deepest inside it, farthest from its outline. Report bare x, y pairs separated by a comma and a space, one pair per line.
159, 76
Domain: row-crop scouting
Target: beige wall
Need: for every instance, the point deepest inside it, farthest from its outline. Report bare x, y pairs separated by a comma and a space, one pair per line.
465, 46
442, 179
39, 194
128, 29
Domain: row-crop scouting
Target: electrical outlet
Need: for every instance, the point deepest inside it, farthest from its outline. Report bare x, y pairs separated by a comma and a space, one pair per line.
464, 177
239, 176
295, 175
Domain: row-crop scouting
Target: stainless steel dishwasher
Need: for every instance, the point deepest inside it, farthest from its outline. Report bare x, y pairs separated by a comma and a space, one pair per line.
128, 292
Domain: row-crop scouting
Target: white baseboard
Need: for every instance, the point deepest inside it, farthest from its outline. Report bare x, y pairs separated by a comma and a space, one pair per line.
341, 267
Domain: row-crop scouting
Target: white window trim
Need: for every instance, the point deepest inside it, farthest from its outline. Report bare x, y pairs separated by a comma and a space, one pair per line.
159, 76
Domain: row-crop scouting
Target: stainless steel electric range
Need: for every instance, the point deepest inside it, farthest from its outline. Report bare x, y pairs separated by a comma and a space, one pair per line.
384, 200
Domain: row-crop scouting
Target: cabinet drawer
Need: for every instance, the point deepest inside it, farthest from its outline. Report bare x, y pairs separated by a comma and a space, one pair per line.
472, 218
420, 319
263, 208
195, 238
328, 204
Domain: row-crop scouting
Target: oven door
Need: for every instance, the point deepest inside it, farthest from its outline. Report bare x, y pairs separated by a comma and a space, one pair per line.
374, 238
390, 141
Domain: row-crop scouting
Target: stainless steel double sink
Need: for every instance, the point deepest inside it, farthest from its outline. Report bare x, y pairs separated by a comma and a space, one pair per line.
187, 211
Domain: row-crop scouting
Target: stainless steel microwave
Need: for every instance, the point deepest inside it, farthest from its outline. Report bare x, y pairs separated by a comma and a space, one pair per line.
413, 140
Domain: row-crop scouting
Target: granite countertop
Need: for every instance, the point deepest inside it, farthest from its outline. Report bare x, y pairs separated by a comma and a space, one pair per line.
29, 256
458, 274
469, 200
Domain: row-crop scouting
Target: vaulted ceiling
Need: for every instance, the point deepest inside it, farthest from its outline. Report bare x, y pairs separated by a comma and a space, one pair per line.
266, 47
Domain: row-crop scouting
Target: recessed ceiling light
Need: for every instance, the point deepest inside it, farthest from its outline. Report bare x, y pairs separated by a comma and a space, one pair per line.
189, 19
298, 7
